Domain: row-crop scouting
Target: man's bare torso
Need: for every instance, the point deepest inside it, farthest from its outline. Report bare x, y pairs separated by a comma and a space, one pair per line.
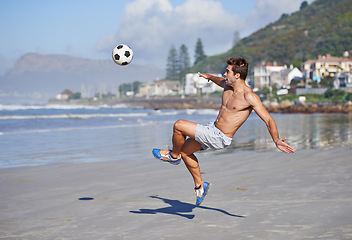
234, 110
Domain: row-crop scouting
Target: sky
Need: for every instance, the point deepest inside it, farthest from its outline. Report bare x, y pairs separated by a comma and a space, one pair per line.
91, 29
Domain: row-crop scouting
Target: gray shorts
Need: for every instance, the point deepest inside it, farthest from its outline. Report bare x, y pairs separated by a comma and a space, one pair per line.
209, 136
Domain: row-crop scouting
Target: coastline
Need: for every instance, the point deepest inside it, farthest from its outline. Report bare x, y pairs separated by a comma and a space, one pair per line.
268, 195
215, 102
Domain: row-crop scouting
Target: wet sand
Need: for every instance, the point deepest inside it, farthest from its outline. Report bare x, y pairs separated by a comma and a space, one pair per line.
271, 195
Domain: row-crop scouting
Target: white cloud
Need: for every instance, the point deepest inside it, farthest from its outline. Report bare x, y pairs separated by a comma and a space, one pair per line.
151, 27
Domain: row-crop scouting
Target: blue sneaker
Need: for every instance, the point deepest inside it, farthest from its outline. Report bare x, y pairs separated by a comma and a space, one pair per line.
202, 192
166, 157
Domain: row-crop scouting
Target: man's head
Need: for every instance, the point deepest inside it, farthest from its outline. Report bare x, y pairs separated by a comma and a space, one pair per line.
239, 65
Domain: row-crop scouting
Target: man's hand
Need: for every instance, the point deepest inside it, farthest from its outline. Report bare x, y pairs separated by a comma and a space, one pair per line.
204, 75
280, 144
217, 80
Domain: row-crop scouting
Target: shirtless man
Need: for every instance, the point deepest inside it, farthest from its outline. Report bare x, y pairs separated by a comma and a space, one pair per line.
238, 101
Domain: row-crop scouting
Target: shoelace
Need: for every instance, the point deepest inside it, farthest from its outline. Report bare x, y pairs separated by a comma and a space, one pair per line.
199, 191
169, 149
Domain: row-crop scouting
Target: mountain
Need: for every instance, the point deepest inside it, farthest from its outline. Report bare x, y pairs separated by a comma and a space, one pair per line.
323, 27
35, 78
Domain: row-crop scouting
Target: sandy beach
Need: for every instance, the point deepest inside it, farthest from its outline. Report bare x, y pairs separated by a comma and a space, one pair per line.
270, 195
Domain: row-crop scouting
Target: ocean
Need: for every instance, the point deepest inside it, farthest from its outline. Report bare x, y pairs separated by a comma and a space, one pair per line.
51, 134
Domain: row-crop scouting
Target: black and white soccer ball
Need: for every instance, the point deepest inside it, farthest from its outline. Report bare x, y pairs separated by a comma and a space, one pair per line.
122, 54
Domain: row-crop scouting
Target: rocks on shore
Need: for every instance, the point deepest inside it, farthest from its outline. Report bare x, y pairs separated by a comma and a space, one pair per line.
212, 103
215, 102
288, 107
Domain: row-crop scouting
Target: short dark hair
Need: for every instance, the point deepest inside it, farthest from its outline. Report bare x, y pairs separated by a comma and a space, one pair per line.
240, 65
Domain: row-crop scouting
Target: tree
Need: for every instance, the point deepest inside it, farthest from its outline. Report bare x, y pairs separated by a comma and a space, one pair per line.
335, 95
295, 63
76, 95
236, 38
135, 86
172, 67
348, 97
127, 87
303, 5
199, 52
284, 16
184, 60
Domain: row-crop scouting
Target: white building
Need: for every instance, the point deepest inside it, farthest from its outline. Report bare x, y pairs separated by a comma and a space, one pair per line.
262, 74
65, 94
195, 84
283, 78
160, 88
270, 75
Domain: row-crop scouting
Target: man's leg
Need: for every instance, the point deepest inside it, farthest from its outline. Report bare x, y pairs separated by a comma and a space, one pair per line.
186, 148
201, 187
189, 147
182, 129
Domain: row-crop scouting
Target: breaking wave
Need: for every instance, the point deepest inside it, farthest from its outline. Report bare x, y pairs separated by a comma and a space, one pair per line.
56, 107
74, 116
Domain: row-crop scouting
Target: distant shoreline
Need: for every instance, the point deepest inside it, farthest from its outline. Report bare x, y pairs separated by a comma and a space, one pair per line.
214, 103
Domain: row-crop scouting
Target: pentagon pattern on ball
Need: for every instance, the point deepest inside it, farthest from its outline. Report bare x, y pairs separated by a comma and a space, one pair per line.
122, 54
117, 57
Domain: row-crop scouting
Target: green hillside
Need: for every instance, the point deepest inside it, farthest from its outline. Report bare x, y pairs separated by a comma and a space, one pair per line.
323, 27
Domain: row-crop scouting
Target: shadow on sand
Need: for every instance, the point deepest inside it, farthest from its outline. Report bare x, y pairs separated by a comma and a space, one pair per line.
179, 208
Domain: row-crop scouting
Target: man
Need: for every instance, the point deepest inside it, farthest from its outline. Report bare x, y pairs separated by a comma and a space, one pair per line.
238, 101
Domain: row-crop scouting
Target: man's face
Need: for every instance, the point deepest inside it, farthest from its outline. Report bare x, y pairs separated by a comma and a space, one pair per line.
229, 76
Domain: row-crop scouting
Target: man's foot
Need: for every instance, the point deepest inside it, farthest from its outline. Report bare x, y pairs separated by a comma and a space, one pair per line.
201, 192
165, 156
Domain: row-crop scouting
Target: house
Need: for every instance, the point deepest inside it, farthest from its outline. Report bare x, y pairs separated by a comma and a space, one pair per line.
195, 84
64, 95
262, 74
283, 78
272, 75
160, 88
326, 66
343, 80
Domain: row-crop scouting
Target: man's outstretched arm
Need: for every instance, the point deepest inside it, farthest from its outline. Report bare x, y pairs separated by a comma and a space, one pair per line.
258, 107
217, 80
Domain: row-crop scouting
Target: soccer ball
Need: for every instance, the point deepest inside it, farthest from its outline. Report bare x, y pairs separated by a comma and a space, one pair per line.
122, 54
